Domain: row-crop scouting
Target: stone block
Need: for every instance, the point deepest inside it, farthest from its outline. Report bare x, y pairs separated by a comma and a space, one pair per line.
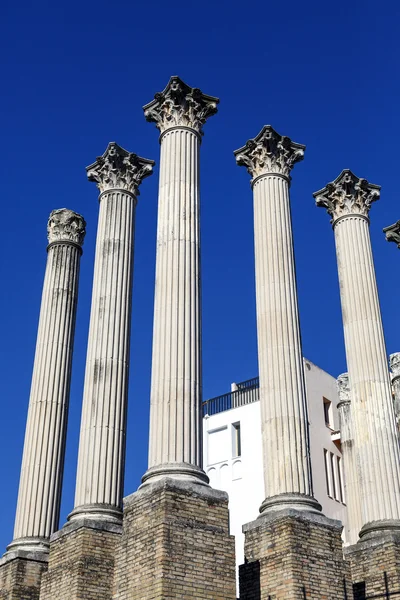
81, 562
294, 555
175, 544
20, 577
375, 566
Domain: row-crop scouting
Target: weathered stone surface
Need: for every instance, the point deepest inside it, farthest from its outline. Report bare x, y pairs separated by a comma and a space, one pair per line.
175, 402
294, 555
351, 481
175, 544
101, 458
348, 200
269, 159
81, 562
39, 495
20, 578
375, 566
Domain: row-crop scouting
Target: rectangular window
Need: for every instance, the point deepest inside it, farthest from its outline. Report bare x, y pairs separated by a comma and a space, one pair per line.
328, 478
236, 440
328, 413
340, 477
333, 472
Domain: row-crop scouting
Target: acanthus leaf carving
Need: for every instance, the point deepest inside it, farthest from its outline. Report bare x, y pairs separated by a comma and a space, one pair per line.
179, 105
392, 233
66, 225
119, 169
347, 195
343, 387
269, 152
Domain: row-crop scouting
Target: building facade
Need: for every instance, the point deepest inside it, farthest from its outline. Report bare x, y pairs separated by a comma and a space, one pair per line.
232, 449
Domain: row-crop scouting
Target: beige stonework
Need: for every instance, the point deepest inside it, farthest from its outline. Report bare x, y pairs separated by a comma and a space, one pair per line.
175, 544
20, 579
291, 556
81, 562
375, 567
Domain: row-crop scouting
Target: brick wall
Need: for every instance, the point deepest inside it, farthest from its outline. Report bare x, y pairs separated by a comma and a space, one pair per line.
293, 557
20, 579
81, 565
375, 566
175, 544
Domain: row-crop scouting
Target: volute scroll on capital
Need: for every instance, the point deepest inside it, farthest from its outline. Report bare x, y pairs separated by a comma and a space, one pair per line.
119, 169
65, 225
347, 195
269, 152
180, 105
392, 233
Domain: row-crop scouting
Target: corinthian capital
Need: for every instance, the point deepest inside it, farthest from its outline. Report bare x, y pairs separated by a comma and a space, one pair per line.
269, 152
119, 169
394, 363
343, 387
392, 233
179, 105
347, 195
65, 225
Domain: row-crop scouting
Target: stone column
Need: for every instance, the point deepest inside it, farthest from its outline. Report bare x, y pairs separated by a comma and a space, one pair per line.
269, 158
290, 524
351, 483
175, 541
348, 200
392, 233
39, 494
394, 361
175, 405
101, 459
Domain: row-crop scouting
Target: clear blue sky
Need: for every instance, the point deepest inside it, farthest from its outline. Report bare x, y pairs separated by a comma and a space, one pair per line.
75, 77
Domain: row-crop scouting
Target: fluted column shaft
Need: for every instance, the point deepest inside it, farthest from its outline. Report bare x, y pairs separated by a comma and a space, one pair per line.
282, 387
373, 417
100, 475
39, 494
101, 458
351, 479
175, 440
175, 414
269, 159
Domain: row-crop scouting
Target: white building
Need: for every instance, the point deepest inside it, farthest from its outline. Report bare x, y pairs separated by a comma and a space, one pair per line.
233, 451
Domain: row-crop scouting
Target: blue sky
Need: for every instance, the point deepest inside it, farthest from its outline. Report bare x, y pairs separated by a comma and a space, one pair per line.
75, 77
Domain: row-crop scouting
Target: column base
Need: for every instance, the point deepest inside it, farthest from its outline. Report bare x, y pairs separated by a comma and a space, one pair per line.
81, 561
375, 561
290, 501
181, 471
107, 513
175, 544
294, 554
21, 574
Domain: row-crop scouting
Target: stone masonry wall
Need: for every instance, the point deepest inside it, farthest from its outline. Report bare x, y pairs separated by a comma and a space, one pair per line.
81, 565
375, 566
294, 557
175, 545
20, 579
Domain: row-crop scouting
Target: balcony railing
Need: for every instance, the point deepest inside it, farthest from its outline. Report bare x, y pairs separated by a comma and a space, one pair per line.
247, 392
